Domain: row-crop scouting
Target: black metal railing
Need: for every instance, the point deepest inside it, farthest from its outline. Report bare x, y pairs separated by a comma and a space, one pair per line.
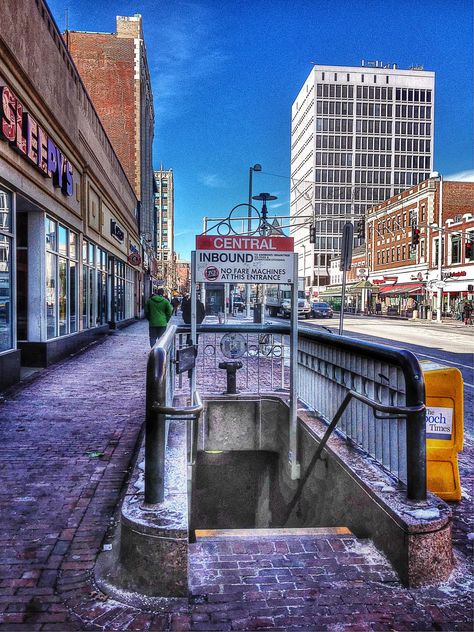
332, 366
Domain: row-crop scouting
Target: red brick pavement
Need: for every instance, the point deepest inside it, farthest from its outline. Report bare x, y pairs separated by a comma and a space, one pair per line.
66, 440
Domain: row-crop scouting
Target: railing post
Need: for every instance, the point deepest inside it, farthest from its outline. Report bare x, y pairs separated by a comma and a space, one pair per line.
158, 372
416, 435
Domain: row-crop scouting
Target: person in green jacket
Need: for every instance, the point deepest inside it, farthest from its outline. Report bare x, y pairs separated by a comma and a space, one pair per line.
158, 311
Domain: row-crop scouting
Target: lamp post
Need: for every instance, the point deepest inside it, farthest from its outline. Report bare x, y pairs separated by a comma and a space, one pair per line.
262, 229
256, 167
439, 297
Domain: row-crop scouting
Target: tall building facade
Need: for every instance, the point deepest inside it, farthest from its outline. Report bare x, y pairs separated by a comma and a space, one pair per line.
69, 269
358, 136
164, 226
114, 69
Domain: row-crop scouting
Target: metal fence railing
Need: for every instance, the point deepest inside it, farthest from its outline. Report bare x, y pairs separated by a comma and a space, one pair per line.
265, 358
330, 366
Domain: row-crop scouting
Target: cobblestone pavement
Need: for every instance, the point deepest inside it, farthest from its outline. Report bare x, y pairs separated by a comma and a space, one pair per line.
66, 440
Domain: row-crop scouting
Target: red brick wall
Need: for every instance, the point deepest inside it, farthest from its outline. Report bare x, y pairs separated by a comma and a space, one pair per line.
106, 65
458, 198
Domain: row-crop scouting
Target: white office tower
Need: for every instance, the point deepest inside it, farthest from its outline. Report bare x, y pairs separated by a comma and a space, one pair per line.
358, 136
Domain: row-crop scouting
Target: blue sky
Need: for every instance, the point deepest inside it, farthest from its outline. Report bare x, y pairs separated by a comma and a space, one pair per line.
225, 74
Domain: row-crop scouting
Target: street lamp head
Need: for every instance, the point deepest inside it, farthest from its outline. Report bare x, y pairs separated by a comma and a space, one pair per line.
256, 167
264, 197
434, 175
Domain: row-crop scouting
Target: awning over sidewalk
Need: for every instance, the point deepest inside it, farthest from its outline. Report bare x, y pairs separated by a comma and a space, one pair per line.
335, 290
362, 285
401, 288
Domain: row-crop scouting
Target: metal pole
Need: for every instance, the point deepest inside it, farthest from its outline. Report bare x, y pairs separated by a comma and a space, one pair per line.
343, 300
193, 319
155, 428
293, 454
248, 287
226, 302
439, 301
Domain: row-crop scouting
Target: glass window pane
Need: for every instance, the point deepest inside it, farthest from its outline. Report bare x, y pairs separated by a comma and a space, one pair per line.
62, 240
51, 262
72, 296
5, 215
51, 240
62, 296
91, 254
5, 294
84, 297
72, 245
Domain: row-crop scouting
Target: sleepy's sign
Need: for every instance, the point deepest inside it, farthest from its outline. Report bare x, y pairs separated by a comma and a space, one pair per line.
29, 139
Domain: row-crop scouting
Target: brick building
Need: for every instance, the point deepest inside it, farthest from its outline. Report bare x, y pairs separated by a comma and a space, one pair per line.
114, 69
69, 243
403, 245
183, 272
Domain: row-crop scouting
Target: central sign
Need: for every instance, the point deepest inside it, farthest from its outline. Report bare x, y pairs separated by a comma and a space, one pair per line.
244, 259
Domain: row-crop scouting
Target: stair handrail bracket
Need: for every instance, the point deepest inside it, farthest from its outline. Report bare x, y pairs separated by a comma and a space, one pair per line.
355, 381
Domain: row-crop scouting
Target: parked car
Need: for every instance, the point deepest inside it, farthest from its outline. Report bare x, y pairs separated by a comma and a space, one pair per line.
321, 310
304, 308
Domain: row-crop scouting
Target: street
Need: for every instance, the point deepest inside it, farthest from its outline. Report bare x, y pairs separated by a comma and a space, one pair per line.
450, 344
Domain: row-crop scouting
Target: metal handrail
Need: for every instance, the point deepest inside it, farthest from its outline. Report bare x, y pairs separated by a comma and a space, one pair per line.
177, 412
414, 396
158, 394
417, 490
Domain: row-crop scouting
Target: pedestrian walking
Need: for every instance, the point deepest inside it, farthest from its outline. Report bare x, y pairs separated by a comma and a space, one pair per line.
186, 310
175, 302
467, 313
158, 311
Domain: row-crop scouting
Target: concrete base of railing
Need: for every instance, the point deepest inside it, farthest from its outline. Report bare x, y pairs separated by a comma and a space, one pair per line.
243, 478
149, 554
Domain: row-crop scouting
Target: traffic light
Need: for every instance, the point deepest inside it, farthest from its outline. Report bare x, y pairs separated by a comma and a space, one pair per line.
468, 254
415, 236
360, 228
312, 234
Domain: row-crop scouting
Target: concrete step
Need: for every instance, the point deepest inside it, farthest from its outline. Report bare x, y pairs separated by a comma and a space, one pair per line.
222, 534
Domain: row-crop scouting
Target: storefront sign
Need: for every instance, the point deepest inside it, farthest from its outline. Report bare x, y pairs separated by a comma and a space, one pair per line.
454, 275
134, 259
116, 231
30, 140
439, 423
244, 259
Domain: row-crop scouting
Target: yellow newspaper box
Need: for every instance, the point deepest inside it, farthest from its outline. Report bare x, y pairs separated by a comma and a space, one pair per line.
444, 428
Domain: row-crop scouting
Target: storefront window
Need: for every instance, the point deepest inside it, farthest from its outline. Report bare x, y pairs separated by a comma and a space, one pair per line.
124, 291
61, 280
51, 318
95, 295
119, 290
102, 301
6, 339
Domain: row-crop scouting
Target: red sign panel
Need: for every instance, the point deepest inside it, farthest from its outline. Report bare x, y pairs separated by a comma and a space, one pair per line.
246, 243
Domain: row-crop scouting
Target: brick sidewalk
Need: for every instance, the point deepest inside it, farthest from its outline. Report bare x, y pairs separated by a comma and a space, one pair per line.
66, 440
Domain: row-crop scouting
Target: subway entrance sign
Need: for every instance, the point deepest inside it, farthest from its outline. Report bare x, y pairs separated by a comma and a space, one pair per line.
244, 259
